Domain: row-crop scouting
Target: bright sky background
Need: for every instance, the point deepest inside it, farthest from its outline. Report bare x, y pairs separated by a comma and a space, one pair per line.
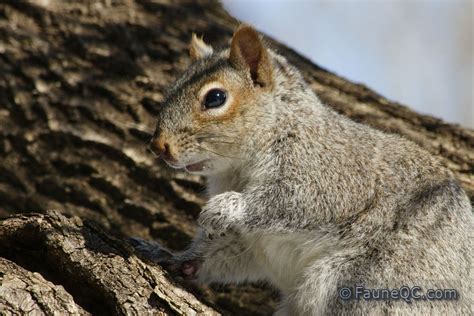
416, 52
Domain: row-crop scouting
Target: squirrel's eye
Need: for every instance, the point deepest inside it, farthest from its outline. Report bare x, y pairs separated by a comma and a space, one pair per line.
214, 98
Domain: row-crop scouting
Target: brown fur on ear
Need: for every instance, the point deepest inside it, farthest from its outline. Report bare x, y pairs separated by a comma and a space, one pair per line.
247, 51
198, 48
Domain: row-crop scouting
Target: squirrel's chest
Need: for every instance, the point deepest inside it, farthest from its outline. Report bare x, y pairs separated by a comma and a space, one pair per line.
225, 182
285, 257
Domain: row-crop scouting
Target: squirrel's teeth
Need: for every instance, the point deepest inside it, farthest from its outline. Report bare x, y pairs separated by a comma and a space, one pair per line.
196, 167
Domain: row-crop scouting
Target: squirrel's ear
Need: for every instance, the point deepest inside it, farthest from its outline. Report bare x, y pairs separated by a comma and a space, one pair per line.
247, 51
198, 49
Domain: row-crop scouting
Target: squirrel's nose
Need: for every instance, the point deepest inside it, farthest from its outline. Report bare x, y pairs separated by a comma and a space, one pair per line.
160, 147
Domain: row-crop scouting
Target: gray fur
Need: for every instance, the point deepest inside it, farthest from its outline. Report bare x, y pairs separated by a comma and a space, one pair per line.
308, 200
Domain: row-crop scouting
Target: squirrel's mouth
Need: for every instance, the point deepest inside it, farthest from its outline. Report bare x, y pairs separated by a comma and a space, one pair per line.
197, 167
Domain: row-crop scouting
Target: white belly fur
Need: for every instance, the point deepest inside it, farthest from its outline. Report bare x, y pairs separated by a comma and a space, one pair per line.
284, 258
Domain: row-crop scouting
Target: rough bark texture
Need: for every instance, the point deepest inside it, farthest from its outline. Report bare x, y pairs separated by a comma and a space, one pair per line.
80, 83
99, 272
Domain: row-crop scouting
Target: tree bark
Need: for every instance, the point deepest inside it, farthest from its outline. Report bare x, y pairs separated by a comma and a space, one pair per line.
80, 85
100, 272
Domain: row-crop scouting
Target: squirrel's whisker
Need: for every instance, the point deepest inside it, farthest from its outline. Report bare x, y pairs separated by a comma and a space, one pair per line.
216, 153
132, 125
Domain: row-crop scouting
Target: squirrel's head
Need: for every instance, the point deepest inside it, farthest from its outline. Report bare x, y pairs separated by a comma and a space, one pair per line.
211, 111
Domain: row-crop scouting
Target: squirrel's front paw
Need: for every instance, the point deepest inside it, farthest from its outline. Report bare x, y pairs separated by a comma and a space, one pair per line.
183, 268
222, 214
151, 250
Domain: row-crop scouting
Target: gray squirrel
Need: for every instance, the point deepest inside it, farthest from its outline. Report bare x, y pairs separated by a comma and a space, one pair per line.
304, 198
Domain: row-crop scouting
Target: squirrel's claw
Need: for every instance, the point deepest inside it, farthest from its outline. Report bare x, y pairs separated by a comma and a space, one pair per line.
151, 250
185, 269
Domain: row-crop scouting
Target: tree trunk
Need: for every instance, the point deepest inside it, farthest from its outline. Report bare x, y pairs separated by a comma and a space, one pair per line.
80, 84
